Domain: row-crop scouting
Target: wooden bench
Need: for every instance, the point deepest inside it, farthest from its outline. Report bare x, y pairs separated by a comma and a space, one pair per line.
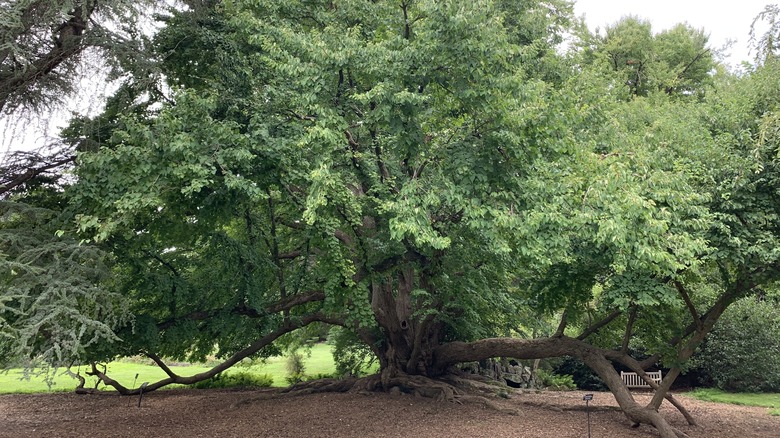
632, 380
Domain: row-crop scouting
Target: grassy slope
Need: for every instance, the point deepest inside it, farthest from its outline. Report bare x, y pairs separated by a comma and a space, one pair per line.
12, 381
768, 400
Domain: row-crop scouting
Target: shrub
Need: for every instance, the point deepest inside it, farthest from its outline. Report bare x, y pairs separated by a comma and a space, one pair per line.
741, 353
351, 355
320, 376
582, 375
236, 380
296, 369
556, 382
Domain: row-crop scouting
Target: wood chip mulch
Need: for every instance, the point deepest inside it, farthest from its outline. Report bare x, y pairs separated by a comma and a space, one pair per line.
264, 413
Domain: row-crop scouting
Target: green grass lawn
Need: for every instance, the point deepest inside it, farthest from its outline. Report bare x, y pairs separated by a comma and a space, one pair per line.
13, 381
767, 400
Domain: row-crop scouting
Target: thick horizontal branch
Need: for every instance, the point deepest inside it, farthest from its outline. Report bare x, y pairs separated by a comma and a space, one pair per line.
541, 348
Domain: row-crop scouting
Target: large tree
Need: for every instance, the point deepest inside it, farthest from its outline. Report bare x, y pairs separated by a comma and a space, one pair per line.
418, 172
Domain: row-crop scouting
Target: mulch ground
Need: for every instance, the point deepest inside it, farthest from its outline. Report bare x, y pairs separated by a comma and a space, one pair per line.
264, 413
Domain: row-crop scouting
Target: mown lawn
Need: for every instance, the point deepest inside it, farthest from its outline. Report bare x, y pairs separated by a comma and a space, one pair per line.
13, 381
767, 400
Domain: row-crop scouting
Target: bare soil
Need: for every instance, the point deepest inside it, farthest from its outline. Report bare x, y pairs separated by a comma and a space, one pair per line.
266, 413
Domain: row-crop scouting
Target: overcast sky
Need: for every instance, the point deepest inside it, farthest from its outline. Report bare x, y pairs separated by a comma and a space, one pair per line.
723, 20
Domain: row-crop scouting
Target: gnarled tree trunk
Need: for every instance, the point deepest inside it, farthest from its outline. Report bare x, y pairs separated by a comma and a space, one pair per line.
409, 338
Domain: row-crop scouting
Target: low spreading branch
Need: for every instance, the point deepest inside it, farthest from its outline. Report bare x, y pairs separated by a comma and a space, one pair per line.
173, 378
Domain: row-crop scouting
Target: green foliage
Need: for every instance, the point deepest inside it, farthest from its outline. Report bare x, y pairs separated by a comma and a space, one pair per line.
741, 352
55, 295
236, 380
296, 369
197, 200
556, 382
352, 356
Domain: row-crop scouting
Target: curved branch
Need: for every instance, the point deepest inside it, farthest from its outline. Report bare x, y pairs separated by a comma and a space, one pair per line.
161, 364
232, 360
689, 304
598, 359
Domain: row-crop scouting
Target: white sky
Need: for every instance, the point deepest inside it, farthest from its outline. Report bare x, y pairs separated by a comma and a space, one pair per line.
723, 19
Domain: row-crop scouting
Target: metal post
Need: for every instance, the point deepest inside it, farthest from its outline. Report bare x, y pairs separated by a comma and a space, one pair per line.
588, 398
141, 393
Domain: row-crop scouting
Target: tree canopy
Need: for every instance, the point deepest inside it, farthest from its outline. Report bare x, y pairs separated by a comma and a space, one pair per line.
433, 177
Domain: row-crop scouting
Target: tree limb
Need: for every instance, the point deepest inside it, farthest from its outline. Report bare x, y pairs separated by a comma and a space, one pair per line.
629, 330
603, 322
256, 346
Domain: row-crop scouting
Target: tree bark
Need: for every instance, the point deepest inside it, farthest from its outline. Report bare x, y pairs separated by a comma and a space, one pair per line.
636, 413
409, 339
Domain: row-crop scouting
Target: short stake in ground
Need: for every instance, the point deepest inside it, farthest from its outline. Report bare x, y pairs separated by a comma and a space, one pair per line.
588, 398
141, 393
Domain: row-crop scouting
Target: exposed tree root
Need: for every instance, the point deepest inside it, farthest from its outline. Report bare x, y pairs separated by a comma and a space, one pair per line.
580, 408
449, 388
322, 385
82, 382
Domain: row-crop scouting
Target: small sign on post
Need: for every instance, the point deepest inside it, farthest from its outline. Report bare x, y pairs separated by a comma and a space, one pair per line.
141, 393
588, 398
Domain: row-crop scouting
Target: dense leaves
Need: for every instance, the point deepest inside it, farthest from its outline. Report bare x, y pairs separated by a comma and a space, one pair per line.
741, 353
364, 139
57, 299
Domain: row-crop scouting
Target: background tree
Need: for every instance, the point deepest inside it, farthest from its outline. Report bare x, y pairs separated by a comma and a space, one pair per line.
48, 50
735, 362
42, 43
56, 297
766, 44
675, 61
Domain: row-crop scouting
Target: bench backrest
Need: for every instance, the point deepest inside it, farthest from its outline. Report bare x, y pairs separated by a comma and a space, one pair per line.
632, 380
